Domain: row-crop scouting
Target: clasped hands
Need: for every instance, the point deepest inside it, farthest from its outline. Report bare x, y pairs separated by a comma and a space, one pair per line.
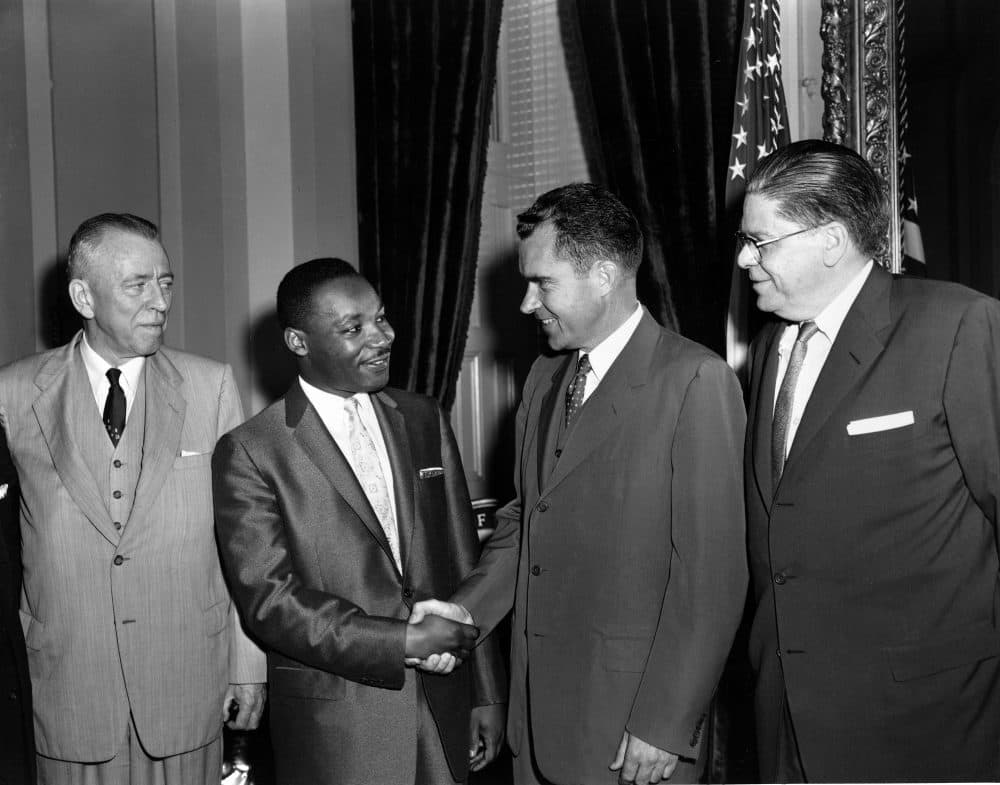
439, 636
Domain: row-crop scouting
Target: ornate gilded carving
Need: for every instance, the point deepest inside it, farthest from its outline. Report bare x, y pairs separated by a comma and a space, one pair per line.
860, 109
836, 50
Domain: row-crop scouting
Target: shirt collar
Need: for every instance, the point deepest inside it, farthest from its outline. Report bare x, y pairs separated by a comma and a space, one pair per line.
331, 402
831, 318
97, 368
606, 352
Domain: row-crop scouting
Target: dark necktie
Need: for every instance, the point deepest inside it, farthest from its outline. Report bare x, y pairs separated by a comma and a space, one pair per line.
786, 397
574, 393
114, 407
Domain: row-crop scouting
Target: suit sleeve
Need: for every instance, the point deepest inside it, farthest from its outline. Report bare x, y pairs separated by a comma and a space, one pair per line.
316, 628
488, 591
972, 403
247, 663
489, 682
708, 578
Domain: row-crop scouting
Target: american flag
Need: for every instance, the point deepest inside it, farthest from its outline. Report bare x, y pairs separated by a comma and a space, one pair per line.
760, 126
913, 243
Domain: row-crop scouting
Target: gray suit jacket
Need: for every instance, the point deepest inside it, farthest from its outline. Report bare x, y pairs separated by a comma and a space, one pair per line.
136, 619
623, 555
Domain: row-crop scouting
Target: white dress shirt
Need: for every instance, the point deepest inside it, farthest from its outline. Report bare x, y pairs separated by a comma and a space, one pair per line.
606, 352
330, 408
97, 372
829, 322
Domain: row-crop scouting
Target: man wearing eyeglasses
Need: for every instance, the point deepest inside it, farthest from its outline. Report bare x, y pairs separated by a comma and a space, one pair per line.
873, 491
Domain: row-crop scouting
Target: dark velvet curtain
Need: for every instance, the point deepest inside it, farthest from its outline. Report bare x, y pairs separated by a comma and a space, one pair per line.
655, 100
423, 74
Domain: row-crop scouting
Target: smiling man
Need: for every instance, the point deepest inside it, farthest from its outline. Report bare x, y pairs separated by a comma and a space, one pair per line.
337, 508
623, 552
135, 651
873, 484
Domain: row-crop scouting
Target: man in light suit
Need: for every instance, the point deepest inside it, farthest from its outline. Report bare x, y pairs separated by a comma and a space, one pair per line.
337, 508
873, 480
623, 552
135, 650
17, 753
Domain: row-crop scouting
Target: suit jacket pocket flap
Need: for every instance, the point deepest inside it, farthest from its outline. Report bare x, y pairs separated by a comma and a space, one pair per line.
625, 653
306, 683
32, 629
953, 650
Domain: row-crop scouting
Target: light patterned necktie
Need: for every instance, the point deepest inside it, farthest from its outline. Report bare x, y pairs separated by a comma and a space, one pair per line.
577, 386
369, 471
786, 397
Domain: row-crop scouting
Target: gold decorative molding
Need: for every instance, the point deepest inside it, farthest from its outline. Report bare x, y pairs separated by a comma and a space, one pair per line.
860, 83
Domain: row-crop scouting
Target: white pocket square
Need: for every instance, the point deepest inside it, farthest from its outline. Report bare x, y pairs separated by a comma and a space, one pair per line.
886, 422
3, 491
189, 453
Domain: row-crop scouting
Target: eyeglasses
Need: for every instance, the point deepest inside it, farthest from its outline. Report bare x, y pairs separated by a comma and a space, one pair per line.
746, 241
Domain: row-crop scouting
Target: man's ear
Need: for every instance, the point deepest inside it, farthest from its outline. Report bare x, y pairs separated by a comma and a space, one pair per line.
607, 274
836, 243
82, 298
296, 342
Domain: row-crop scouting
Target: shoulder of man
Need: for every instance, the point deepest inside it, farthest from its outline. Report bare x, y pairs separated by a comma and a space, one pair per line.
190, 364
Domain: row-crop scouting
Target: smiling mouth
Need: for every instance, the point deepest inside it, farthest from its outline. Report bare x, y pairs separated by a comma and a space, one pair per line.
546, 322
379, 362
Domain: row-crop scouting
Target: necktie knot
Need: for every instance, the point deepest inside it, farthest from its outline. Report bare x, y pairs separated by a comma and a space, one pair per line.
806, 331
577, 387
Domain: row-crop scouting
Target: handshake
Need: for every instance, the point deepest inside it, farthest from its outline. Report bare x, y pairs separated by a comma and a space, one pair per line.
439, 636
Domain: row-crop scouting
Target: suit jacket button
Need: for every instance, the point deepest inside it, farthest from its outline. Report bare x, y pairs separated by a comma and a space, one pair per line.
117, 494
119, 561
117, 463
536, 570
543, 506
408, 592
779, 579
117, 525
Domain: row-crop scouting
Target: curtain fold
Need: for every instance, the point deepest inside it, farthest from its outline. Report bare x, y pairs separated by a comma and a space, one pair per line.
663, 71
424, 74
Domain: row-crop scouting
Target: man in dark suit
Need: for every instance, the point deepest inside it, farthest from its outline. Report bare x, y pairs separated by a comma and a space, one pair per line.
17, 752
623, 552
337, 508
873, 479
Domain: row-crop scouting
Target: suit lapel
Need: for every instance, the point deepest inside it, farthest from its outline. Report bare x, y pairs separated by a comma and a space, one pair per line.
165, 409
548, 418
766, 370
602, 414
321, 448
397, 444
65, 392
856, 348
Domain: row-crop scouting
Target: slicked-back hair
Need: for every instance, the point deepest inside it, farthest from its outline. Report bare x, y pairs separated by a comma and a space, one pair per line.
90, 234
295, 292
814, 182
590, 224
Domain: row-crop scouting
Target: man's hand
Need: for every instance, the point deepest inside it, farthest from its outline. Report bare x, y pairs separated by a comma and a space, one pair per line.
248, 700
444, 662
642, 763
434, 634
487, 730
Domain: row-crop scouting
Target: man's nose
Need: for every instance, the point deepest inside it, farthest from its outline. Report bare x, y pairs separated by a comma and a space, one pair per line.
530, 302
159, 299
745, 258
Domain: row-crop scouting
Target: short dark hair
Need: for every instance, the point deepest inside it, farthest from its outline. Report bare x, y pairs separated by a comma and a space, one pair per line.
590, 223
296, 289
90, 234
814, 181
